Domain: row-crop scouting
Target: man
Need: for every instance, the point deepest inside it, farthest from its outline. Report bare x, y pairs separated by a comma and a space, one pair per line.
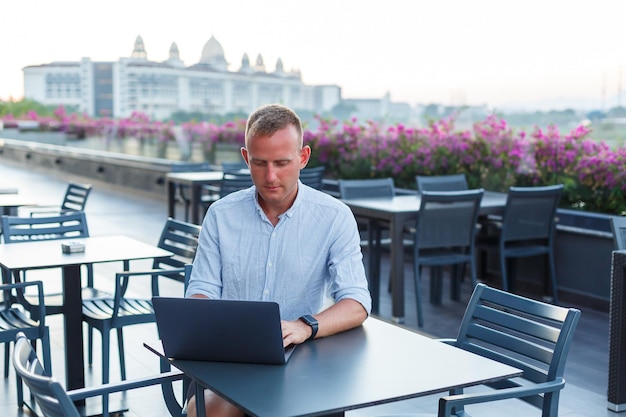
281, 241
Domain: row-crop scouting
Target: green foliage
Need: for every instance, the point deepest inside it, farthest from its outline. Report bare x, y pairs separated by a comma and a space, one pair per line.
22, 107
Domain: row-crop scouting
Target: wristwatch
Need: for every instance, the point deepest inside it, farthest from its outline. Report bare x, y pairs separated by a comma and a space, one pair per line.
310, 320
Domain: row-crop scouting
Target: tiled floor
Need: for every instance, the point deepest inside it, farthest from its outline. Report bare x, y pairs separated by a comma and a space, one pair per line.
117, 211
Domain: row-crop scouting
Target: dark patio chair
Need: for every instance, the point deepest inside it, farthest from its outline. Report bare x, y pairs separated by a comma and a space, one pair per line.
370, 188
13, 321
234, 166
445, 232
120, 310
527, 334
23, 229
234, 181
454, 182
52, 398
313, 176
618, 226
74, 200
527, 229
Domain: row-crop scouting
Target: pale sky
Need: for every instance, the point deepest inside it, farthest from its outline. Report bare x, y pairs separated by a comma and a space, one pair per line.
503, 53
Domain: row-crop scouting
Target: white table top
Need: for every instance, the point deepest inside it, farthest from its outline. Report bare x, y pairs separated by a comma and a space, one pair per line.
48, 253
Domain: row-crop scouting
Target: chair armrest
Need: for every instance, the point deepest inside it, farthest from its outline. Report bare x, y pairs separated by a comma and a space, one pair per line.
159, 379
41, 310
157, 271
447, 404
211, 188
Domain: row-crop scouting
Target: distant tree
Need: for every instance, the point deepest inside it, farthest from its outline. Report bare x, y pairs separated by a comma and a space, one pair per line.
431, 113
343, 111
22, 107
619, 111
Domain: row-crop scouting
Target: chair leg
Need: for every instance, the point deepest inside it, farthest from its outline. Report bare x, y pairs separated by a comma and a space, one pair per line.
418, 294
436, 284
90, 331
503, 274
20, 391
456, 277
105, 369
7, 358
47, 356
555, 296
120, 347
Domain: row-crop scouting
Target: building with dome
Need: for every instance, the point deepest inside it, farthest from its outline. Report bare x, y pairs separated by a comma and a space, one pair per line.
135, 83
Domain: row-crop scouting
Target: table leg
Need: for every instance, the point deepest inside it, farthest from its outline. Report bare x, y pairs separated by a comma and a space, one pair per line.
373, 265
195, 203
396, 227
73, 308
171, 203
200, 410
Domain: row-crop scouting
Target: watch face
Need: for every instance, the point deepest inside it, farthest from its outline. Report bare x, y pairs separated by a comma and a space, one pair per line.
309, 320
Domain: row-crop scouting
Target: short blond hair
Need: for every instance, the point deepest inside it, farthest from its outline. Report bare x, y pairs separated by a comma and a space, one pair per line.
270, 118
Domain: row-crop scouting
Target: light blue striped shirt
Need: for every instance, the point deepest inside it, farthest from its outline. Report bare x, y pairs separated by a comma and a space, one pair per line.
312, 252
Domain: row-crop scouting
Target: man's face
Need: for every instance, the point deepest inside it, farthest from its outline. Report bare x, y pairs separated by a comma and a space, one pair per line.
275, 162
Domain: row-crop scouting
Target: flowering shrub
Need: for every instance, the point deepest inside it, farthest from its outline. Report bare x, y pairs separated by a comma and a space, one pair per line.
492, 155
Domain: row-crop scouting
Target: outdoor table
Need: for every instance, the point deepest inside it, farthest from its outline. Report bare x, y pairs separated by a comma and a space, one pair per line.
194, 181
45, 254
398, 211
373, 364
8, 190
10, 202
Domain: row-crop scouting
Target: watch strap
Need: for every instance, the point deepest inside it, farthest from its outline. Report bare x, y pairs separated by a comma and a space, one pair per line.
311, 321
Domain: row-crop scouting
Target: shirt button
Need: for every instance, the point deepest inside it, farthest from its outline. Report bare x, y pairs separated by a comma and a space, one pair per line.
266, 292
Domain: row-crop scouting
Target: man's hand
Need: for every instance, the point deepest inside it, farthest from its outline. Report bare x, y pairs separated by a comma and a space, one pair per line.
295, 332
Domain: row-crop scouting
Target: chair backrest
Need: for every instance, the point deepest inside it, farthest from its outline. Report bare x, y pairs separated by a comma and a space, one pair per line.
49, 394
190, 167
528, 334
376, 187
454, 182
530, 213
22, 229
447, 219
75, 197
180, 238
234, 166
232, 181
313, 176
618, 226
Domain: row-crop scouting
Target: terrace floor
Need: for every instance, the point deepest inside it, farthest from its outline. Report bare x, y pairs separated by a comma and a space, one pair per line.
117, 211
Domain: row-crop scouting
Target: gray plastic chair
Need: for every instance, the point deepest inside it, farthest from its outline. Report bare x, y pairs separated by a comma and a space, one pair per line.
527, 229
454, 182
527, 334
120, 310
75, 199
54, 401
445, 232
313, 176
13, 321
233, 181
234, 166
618, 226
370, 188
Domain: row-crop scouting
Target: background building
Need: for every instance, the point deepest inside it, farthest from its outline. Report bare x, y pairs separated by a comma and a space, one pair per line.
159, 89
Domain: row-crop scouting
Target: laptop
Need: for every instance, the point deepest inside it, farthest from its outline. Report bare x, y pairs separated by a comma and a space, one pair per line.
221, 330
